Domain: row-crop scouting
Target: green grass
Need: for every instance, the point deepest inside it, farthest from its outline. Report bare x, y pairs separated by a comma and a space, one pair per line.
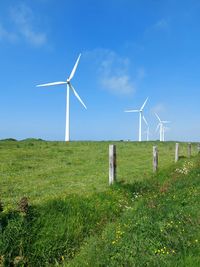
44, 170
48, 232
75, 219
161, 227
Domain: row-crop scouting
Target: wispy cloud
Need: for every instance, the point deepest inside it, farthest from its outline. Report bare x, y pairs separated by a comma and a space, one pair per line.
159, 27
120, 84
162, 24
159, 108
22, 26
114, 71
24, 21
6, 35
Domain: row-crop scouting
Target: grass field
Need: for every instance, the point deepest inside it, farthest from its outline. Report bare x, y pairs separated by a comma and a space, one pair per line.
45, 170
73, 218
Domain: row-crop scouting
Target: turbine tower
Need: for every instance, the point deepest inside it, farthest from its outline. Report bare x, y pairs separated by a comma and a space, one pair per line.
69, 87
162, 128
140, 111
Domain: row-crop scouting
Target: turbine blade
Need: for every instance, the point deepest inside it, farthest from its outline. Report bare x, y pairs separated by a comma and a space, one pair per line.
74, 68
76, 94
144, 104
132, 110
166, 121
145, 120
158, 117
50, 84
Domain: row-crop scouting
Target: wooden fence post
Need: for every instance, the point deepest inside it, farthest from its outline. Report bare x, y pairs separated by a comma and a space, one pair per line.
189, 150
155, 159
177, 152
112, 164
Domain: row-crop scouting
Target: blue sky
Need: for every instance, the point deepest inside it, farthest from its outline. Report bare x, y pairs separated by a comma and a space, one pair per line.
131, 49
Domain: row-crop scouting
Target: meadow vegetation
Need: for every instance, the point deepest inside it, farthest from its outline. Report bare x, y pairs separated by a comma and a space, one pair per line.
57, 209
45, 170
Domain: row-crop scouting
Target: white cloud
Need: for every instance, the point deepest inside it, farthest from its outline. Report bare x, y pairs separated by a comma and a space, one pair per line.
114, 71
23, 19
118, 84
23, 24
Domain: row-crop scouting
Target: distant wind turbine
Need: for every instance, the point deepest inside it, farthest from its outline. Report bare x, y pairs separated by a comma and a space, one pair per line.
140, 111
147, 130
69, 86
162, 128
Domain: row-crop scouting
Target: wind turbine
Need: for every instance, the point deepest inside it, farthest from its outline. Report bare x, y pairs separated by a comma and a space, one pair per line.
140, 111
162, 128
69, 87
147, 131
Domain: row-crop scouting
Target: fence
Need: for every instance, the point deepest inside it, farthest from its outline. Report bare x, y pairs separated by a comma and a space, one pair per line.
113, 159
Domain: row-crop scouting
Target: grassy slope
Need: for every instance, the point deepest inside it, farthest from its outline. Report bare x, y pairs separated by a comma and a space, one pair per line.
45, 170
160, 227
110, 227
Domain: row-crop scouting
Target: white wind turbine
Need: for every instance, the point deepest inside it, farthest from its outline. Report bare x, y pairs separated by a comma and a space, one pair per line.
140, 111
69, 86
147, 130
162, 128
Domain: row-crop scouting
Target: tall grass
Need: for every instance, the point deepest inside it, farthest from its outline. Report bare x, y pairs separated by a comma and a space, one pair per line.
161, 227
46, 234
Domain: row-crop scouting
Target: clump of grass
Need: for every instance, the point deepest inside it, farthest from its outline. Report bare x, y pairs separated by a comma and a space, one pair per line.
47, 234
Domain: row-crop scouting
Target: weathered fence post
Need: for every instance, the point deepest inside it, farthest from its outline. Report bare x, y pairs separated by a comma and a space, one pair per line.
198, 148
112, 164
155, 158
177, 152
189, 150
